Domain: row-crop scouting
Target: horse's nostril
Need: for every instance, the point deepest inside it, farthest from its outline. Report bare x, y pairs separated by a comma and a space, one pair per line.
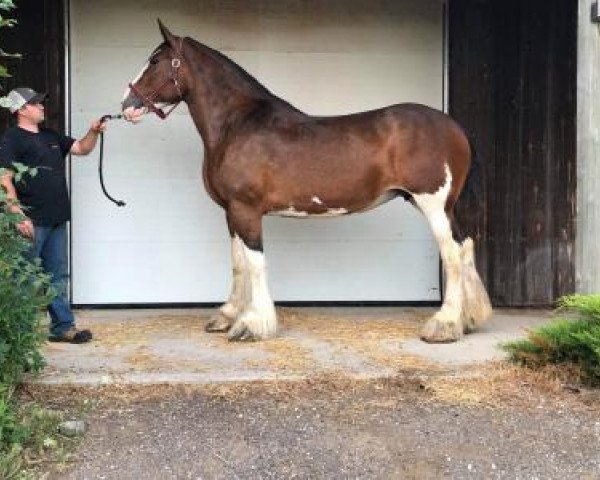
132, 101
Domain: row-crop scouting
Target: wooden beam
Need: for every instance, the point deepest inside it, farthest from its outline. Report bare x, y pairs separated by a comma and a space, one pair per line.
587, 251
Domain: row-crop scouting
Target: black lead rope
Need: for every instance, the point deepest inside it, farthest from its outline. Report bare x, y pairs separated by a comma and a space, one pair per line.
118, 203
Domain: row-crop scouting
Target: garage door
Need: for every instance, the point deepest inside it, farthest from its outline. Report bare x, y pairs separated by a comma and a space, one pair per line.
170, 243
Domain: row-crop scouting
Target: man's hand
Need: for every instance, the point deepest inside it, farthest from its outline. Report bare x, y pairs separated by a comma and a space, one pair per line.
98, 126
87, 143
25, 228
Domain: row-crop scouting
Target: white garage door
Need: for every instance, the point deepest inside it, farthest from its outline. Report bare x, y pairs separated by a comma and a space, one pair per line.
170, 243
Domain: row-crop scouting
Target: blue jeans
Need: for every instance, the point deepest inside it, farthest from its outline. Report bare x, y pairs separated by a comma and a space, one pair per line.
50, 245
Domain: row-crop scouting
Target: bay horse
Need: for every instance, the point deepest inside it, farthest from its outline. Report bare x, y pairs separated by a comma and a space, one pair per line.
262, 156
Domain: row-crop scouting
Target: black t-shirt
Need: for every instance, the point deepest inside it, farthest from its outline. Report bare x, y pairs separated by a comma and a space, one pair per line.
45, 196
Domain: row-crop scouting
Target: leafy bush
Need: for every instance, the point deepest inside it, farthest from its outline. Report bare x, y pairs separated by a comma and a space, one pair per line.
575, 340
6, 6
24, 295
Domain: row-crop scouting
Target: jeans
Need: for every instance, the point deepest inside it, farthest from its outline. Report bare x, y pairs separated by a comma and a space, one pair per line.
50, 245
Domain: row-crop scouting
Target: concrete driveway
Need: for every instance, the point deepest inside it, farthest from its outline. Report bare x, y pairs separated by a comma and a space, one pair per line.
170, 346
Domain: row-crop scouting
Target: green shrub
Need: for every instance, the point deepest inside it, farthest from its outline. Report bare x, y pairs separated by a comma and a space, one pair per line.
575, 341
24, 295
586, 306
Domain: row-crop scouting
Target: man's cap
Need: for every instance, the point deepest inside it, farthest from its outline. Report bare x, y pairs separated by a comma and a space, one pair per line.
19, 97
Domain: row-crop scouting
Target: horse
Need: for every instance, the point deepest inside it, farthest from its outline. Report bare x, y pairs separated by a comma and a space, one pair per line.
263, 156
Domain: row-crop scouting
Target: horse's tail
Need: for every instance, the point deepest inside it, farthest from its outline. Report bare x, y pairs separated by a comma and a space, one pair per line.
472, 188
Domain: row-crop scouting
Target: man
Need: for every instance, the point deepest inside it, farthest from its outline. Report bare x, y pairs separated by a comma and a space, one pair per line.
44, 197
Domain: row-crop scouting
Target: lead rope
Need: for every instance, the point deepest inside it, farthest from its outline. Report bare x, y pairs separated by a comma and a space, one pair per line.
118, 203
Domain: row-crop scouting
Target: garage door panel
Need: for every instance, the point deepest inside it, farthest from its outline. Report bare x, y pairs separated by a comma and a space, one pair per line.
324, 277
119, 268
170, 243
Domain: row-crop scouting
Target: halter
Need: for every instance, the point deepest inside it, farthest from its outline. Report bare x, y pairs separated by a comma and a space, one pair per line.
148, 100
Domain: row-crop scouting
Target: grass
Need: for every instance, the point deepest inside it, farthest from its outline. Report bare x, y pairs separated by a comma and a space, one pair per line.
574, 340
32, 442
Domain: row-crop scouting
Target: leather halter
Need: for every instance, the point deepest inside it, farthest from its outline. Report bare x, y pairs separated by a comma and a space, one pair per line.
148, 100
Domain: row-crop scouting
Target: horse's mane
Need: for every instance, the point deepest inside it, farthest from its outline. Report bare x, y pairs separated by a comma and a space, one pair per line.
232, 67
249, 83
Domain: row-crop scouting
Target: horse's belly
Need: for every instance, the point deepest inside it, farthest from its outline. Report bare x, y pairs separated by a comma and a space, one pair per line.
384, 198
317, 210
299, 213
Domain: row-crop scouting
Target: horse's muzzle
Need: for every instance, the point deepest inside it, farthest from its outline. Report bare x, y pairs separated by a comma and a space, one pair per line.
132, 101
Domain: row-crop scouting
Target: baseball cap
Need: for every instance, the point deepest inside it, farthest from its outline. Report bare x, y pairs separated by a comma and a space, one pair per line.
19, 97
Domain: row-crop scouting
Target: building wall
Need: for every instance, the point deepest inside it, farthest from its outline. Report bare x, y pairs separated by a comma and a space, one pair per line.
513, 82
513, 86
39, 37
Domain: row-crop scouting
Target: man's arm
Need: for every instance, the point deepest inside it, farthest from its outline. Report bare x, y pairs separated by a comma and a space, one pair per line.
86, 144
24, 227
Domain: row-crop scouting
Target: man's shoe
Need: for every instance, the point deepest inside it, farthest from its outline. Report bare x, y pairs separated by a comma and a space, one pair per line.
72, 335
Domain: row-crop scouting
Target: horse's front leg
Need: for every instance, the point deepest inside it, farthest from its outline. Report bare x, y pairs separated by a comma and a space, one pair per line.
222, 320
257, 319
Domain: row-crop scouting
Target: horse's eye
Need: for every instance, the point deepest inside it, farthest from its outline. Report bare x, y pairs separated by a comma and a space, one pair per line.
153, 61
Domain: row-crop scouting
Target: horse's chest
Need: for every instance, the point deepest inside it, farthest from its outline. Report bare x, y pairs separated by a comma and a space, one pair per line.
211, 186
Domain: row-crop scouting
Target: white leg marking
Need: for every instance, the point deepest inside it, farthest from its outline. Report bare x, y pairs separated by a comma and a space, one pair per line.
446, 325
258, 319
476, 309
237, 299
228, 312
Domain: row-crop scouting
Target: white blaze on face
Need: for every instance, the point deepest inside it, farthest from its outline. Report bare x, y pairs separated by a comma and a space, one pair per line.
128, 90
132, 114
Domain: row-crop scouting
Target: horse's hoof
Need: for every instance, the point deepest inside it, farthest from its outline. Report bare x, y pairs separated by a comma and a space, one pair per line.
439, 331
242, 334
252, 326
218, 323
469, 325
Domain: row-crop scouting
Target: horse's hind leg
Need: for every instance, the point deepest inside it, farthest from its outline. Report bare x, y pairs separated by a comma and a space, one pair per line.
257, 319
476, 306
228, 312
446, 325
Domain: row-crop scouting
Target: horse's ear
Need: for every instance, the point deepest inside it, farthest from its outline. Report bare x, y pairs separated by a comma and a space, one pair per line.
168, 36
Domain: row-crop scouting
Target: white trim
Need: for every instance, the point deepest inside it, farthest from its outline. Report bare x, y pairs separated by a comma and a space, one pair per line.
67, 73
445, 54
67, 112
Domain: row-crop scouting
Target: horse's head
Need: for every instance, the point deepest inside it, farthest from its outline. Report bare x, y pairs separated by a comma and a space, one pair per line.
161, 82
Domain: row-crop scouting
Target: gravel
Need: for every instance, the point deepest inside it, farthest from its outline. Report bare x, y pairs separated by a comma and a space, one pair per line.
383, 430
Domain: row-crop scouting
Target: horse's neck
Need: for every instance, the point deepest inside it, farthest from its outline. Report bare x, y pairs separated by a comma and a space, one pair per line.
221, 93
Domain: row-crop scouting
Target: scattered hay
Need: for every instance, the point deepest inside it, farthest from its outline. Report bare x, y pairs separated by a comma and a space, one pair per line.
364, 335
144, 331
497, 385
285, 355
144, 360
500, 384
65, 395
344, 328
